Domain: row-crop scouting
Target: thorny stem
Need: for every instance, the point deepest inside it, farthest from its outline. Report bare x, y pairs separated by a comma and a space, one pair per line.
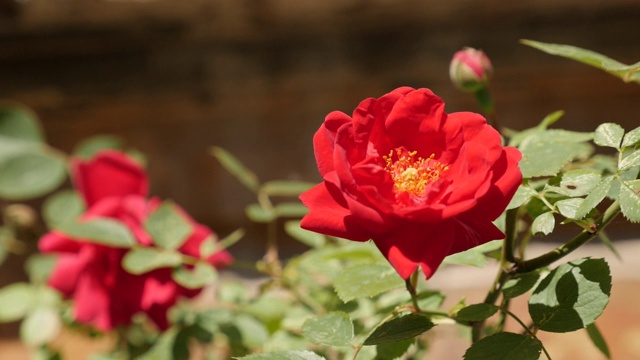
561, 251
508, 247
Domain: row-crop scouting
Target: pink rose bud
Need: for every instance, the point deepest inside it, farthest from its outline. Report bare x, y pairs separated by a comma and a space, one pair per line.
470, 69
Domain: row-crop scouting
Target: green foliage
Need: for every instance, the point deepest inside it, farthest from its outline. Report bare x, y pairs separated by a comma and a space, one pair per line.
609, 134
195, 277
630, 200
236, 168
594, 198
28, 175
366, 280
167, 226
144, 259
628, 73
87, 148
62, 207
505, 346
18, 122
284, 355
543, 223
308, 238
400, 329
546, 152
474, 256
333, 329
40, 326
476, 312
598, 340
15, 301
572, 296
285, 188
520, 284
105, 231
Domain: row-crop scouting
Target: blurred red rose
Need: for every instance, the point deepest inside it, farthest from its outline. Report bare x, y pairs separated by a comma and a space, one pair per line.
104, 294
422, 184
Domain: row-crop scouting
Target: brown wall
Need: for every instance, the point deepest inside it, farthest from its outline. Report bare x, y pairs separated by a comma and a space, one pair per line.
258, 76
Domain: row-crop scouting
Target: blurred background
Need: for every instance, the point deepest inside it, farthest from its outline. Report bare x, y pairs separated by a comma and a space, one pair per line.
257, 77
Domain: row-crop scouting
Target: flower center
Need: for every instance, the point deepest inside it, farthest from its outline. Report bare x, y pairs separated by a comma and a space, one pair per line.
412, 174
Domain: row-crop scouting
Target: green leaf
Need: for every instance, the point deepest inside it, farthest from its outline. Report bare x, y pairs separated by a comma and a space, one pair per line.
572, 296
520, 284
476, 312
604, 238
594, 198
163, 347
569, 207
40, 327
19, 122
630, 161
144, 259
200, 276
39, 266
579, 182
474, 256
168, 226
333, 329
29, 175
399, 329
394, 350
259, 214
522, 195
543, 224
284, 355
366, 280
285, 188
291, 210
306, 237
505, 346
609, 134
62, 207
517, 137
545, 153
628, 73
598, 340
630, 200
246, 177
105, 231
89, 147
15, 301
631, 138
252, 332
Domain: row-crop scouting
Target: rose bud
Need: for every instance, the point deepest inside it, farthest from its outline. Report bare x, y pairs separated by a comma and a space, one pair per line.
470, 69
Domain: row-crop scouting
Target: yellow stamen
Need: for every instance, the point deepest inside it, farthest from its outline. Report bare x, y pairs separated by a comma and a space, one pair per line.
411, 175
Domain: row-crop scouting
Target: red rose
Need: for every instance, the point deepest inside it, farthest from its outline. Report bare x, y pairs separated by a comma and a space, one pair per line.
104, 294
422, 184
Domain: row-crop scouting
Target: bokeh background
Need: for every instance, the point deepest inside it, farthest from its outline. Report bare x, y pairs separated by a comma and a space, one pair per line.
257, 77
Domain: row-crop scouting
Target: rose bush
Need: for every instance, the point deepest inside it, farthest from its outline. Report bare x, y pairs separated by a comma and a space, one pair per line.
421, 183
105, 295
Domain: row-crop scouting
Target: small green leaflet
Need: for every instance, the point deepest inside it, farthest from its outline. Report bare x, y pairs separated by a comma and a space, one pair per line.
630, 200
572, 296
100, 230
168, 226
333, 329
505, 346
609, 134
366, 280
628, 73
399, 329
